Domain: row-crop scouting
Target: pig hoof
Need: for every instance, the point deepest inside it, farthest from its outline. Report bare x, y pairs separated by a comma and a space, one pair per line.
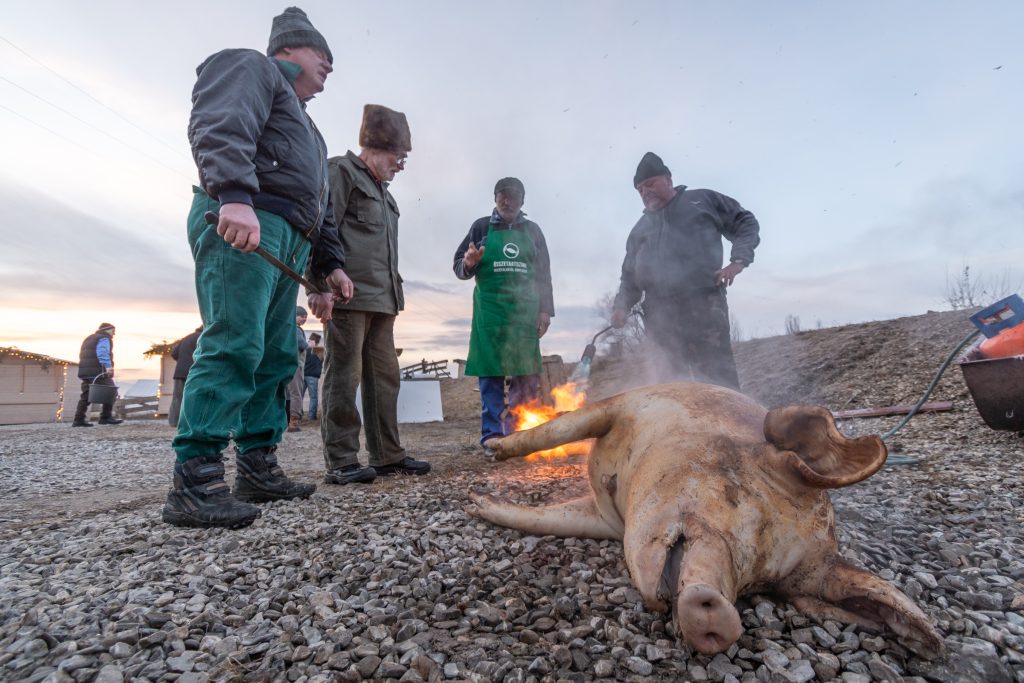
709, 623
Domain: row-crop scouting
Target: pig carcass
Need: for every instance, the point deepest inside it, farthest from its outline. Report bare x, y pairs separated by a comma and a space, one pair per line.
714, 497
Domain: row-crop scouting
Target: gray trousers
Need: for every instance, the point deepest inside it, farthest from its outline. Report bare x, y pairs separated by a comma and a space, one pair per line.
360, 353
295, 393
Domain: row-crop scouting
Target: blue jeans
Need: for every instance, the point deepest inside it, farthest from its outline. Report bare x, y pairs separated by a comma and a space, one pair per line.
494, 420
312, 386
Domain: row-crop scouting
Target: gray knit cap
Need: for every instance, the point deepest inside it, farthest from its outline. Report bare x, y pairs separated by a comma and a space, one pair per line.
292, 28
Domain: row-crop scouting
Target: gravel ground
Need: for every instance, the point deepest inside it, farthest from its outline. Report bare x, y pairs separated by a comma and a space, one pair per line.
393, 581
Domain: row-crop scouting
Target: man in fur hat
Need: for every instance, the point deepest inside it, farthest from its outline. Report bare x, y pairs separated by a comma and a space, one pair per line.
360, 341
263, 174
674, 261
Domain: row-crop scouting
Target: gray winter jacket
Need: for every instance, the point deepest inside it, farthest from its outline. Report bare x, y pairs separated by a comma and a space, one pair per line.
254, 143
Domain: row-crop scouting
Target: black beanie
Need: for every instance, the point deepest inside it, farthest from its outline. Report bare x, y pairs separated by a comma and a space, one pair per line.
292, 28
650, 166
514, 184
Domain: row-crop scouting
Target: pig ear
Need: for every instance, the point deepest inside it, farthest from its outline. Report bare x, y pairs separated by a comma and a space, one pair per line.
817, 452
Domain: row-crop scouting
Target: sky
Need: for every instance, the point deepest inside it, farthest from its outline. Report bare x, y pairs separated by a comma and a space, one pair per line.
879, 144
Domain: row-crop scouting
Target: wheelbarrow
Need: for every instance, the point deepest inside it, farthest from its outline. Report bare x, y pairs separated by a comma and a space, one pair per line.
997, 383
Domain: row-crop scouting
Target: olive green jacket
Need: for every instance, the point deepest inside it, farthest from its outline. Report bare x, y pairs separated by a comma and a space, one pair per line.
367, 217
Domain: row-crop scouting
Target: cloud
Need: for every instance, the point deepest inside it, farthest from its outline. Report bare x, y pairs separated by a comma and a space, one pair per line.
60, 254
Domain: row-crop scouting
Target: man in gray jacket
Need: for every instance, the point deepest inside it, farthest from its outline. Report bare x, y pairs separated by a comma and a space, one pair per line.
360, 343
263, 182
674, 261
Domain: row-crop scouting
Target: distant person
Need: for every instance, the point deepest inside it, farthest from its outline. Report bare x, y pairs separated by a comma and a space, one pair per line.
360, 334
512, 306
182, 353
312, 368
263, 171
295, 387
96, 366
674, 260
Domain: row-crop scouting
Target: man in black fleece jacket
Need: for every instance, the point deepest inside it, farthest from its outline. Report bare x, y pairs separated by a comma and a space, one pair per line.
674, 261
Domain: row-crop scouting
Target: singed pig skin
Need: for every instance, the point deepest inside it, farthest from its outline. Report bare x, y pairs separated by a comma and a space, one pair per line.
714, 497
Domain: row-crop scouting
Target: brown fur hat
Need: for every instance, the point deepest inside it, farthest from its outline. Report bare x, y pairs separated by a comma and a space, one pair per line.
385, 129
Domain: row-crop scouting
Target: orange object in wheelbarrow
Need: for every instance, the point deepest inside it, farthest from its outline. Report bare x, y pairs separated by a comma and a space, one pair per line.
994, 369
1005, 344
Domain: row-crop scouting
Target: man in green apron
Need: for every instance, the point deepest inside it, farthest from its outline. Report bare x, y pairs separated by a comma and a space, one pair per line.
512, 305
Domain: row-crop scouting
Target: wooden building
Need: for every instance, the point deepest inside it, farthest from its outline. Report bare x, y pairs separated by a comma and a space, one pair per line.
36, 388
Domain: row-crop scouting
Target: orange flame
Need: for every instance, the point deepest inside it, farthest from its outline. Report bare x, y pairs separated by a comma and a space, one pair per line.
566, 397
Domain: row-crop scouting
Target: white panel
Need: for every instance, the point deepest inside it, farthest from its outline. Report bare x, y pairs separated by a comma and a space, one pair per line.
418, 401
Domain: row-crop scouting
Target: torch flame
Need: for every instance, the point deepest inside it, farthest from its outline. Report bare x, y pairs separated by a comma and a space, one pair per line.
566, 397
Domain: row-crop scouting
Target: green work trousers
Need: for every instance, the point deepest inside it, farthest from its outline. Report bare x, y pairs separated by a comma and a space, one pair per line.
248, 350
360, 354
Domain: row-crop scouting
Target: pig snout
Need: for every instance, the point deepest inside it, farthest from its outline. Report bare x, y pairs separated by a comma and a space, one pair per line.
706, 620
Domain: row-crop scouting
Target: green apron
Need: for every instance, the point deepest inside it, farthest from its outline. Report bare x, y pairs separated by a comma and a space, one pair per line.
504, 340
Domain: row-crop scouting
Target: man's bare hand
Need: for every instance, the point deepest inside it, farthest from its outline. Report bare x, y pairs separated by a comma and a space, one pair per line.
726, 275
543, 323
619, 318
473, 255
341, 285
239, 226
320, 305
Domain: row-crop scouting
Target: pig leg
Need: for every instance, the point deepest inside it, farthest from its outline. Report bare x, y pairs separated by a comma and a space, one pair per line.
587, 422
579, 518
835, 589
699, 574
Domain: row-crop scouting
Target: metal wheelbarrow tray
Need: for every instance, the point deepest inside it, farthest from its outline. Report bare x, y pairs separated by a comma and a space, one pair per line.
997, 387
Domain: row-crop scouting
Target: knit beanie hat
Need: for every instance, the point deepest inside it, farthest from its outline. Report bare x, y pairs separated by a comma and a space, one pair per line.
292, 28
650, 166
384, 129
105, 327
510, 184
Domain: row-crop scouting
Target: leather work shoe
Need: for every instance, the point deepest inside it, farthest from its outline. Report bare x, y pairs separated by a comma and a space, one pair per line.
489, 454
350, 474
81, 423
406, 466
110, 421
201, 498
293, 425
261, 480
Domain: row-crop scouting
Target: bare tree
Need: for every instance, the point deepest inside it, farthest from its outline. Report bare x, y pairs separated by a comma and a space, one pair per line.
970, 290
735, 331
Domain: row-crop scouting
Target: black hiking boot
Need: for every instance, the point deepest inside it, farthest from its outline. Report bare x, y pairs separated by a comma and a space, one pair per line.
110, 421
405, 466
261, 480
201, 498
350, 474
81, 423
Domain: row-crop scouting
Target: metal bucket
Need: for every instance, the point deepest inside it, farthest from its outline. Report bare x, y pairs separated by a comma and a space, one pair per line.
997, 387
102, 393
